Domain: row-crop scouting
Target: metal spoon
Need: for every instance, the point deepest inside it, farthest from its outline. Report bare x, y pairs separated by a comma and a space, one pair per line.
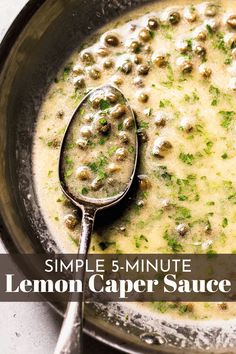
70, 339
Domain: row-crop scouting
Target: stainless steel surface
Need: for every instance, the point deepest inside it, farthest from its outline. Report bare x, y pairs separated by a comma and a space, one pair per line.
42, 37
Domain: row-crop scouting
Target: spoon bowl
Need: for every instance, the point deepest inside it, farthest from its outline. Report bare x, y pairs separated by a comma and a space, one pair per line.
104, 125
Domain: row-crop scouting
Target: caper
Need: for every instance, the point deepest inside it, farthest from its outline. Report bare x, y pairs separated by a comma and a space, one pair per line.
60, 114
118, 80
191, 17
143, 69
112, 40
206, 244
126, 67
205, 71
55, 142
83, 173
121, 154
234, 53
185, 65
160, 119
213, 24
95, 101
112, 97
165, 203
79, 82
201, 36
138, 81
86, 131
160, 60
108, 63
70, 221
111, 181
144, 182
103, 126
145, 35
113, 167
77, 70
174, 18
82, 143
190, 14
223, 306
147, 49
137, 59
87, 58
88, 117
182, 229
140, 203
186, 124
190, 307
103, 52
142, 135
152, 24
143, 97
231, 21
182, 46
95, 73
124, 138
160, 147
200, 50
211, 10
208, 228
128, 123
118, 111
230, 40
133, 27
135, 46
97, 184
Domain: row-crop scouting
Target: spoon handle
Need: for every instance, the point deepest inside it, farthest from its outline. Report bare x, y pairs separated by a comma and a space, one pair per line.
70, 338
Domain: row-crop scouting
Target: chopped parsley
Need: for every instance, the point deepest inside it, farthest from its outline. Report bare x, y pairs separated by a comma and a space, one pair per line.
186, 158
164, 103
98, 166
227, 118
84, 191
215, 92
104, 105
139, 240
173, 242
182, 213
67, 71
143, 125
224, 156
103, 121
225, 222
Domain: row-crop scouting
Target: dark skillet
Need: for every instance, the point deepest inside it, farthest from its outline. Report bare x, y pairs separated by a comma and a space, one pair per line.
38, 42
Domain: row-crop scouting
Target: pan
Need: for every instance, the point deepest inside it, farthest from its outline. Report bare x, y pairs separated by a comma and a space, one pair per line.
43, 35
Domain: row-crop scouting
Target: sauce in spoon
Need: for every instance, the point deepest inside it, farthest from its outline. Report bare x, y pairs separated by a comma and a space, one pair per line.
100, 146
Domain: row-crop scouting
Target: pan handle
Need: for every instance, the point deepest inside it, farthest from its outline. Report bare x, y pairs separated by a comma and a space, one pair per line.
70, 340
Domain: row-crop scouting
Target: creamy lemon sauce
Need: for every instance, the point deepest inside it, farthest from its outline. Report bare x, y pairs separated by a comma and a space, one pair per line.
177, 67
99, 149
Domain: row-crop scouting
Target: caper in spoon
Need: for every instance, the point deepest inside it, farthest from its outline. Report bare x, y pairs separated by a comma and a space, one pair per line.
92, 153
